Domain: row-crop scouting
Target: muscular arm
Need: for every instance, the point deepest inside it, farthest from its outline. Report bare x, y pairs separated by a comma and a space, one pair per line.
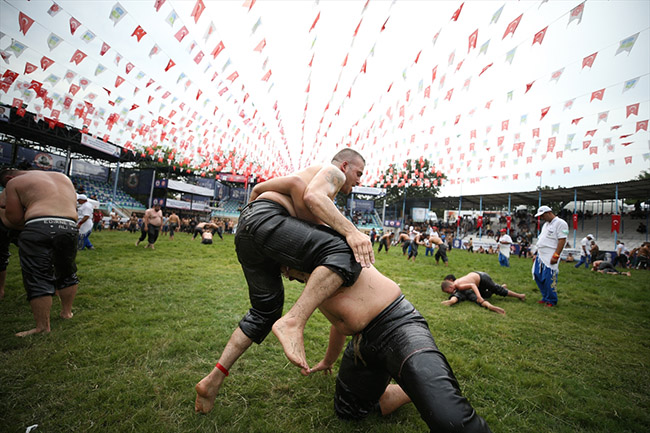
474, 288
336, 342
15, 212
318, 198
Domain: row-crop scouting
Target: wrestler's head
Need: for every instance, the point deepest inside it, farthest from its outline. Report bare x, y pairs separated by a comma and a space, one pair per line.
448, 286
352, 165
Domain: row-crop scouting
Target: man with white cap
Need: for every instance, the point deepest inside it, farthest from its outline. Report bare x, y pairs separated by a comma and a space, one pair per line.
585, 244
550, 244
84, 222
505, 241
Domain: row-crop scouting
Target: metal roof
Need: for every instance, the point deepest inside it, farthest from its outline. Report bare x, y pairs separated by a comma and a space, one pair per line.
639, 189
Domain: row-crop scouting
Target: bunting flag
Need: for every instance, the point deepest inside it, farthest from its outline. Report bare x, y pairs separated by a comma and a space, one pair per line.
602, 117
138, 33
316, 20
539, 36
117, 13
199, 7
510, 55
632, 109
158, 4
642, 124
627, 44
53, 41
598, 94
24, 23
472, 41
496, 15
456, 14
74, 25
88, 36
630, 84
218, 49
576, 13
77, 57
544, 112
589, 60
54, 9
512, 26
484, 47
181, 33
171, 18
29, 68
154, 50
267, 76
260, 46
555, 76
170, 64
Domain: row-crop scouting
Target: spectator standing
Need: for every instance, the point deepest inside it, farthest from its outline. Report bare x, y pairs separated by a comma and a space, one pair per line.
84, 222
505, 241
585, 246
550, 244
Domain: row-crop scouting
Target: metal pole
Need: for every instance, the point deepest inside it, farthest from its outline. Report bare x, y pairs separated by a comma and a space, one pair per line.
509, 213
583, 215
153, 181
117, 175
383, 213
575, 204
404, 208
619, 227
480, 211
539, 203
460, 202
67, 162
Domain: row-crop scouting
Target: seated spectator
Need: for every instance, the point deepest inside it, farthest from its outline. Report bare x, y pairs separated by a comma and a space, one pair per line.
570, 258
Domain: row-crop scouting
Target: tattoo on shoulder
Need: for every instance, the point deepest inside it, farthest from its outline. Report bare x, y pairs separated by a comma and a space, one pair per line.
334, 178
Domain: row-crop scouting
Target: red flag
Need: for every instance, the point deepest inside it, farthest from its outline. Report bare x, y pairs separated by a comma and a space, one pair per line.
642, 124
267, 76
77, 57
74, 89
363, 68
589, 60
485, 69
512, 26
169, 65
129, 67
260, 46
232, 77
198, 94
104, 49
504, 125
433, 73
575, 221
528, 86
628, 159
219, 48
138, 33
456, 14
616, 223
119, 80
479, 221
315, 21
198, 57
596, 165
158, 4
24, 22
181, 33
591, 132
417, 57
74, 25
427, 92
199, 7
508, 221
575, 121
598, 94
472, 40
29, 68
448, 97
539, 36
632, 109
545, 112
357, 29
383, 27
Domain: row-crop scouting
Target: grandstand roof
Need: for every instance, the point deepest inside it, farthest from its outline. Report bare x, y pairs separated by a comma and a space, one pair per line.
607, 191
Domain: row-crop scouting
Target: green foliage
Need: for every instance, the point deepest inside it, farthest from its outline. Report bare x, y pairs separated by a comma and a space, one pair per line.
410, 172
645, 174
149, 325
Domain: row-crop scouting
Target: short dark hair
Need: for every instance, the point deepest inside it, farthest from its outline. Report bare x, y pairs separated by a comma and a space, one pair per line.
450, 277
446, 284
4, 174
347, 155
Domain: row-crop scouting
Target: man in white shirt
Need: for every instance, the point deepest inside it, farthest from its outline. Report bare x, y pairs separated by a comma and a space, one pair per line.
84, 222
585, 245
550, 244
504, 248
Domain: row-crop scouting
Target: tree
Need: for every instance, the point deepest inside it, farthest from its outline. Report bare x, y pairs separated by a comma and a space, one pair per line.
643, 175
415, 178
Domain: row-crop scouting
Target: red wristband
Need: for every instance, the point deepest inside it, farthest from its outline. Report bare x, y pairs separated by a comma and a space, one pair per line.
223, 369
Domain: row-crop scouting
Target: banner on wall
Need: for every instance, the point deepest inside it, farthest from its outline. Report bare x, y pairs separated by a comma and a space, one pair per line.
135, 181
91, 171
361, 205
100, 145
40, 160
6, 150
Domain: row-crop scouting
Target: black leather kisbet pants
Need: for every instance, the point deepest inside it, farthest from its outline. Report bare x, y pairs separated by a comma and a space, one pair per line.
397, 344
268, 237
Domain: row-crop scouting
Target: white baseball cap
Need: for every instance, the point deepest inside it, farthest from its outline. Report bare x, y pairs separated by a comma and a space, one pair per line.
82, 197
543, 210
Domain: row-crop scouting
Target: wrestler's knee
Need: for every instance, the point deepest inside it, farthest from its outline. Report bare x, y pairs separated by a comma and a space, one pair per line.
350, 407
256, 324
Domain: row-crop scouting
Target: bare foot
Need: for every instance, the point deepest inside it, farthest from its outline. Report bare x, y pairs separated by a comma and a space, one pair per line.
505, 286
151, 246
66, 315
33, 331
628, 273
206, 393
291, 338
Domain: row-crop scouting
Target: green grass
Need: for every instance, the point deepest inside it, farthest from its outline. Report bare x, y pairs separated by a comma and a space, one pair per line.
149, 325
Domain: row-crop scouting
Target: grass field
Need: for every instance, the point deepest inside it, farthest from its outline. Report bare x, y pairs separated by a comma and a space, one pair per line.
149, 325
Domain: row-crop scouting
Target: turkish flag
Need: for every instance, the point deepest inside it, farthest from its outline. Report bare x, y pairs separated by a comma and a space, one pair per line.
616, 223
512, 26
508, 221
24, 22
575, 221
479, 221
